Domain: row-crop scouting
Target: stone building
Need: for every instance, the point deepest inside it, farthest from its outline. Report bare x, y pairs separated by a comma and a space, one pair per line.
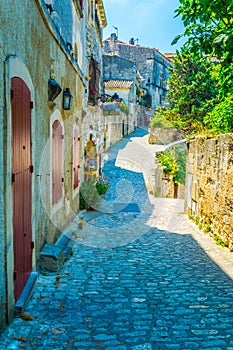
151, 64
120, 83
44, 66
93, 120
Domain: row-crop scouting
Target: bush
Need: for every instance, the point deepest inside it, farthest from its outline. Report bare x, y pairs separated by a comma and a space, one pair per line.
91, 191
88, 196
220, 119
102, 185
159, 120
173, 162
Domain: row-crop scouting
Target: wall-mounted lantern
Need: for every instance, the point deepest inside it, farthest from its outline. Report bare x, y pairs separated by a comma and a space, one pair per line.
67, 99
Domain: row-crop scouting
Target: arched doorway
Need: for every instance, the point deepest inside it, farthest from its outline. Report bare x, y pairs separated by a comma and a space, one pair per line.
21, 183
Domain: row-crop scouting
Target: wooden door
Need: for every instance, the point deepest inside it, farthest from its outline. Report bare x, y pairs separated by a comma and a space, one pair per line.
21, 183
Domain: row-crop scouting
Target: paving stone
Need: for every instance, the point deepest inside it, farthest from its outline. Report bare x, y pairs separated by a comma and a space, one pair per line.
137, 282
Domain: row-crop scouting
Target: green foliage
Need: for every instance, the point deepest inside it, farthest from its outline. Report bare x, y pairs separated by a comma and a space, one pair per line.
209, 33
102, 185
161, 121
88, 196
220, 119
124, 108
168, 162
91, 191
138, 92
219, 240
192, 92
208, 26
173, 162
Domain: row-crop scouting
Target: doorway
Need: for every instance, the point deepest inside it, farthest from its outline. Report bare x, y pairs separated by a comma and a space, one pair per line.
21, 183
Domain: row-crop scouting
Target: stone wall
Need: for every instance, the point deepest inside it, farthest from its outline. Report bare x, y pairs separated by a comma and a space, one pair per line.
210, 185
163, 136
118, 68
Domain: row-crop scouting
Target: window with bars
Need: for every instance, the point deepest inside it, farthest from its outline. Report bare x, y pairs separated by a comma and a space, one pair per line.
57, 162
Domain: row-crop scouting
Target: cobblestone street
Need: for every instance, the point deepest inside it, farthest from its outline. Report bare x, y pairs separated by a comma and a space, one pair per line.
142, 276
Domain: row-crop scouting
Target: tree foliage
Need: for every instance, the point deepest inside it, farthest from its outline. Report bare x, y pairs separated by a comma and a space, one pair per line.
208, 26
173, 162
200, 90
209, 31
193, 89
220, 119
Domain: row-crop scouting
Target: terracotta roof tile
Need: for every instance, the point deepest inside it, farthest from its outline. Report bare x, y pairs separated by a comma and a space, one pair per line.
120, 84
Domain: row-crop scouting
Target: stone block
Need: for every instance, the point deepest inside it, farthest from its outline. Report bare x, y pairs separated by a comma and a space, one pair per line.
51, 258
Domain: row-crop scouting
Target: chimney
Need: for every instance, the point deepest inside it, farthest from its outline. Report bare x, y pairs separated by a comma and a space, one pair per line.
131, 42
113, 37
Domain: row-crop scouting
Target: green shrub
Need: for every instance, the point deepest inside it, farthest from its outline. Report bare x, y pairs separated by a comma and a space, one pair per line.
91, 191
173, 162
88, 196
102, 185
159, 120
220, 119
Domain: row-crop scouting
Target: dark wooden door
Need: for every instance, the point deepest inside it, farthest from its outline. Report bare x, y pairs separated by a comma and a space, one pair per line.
21, 183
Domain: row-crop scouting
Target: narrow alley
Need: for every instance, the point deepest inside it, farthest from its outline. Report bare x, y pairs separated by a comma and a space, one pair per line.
142, 276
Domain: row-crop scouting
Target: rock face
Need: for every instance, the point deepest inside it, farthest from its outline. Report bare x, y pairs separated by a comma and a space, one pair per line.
209, 192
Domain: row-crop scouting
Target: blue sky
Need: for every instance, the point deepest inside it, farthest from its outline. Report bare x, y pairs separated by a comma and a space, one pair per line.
152, 22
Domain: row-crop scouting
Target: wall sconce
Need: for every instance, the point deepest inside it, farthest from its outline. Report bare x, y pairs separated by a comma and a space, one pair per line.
67, 99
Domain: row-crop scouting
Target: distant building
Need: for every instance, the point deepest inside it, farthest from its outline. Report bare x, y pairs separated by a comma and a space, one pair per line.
151, 64
120, 79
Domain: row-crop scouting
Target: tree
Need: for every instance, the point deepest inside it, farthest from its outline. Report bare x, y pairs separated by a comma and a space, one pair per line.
209, 30
208, 26
192, 91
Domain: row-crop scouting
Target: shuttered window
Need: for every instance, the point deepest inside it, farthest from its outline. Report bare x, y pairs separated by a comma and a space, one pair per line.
57, 162
76, 158
94, 82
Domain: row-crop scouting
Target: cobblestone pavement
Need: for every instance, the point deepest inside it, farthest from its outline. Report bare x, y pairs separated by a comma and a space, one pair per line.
141, 277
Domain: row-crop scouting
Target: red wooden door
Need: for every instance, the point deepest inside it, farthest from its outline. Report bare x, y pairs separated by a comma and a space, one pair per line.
76, 158
21, 183
57, 178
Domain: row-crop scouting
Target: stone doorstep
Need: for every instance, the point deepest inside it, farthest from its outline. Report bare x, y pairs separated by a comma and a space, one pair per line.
26, 294
51, 258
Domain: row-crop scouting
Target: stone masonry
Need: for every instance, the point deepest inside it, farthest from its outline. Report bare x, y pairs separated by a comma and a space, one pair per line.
142, 277
209, 184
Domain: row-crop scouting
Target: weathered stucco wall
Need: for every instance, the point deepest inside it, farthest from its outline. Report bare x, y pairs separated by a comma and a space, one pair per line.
31, 49
210, 184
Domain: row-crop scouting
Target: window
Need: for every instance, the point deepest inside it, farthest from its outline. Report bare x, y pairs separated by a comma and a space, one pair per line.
94, 74
76, 159
57, 162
